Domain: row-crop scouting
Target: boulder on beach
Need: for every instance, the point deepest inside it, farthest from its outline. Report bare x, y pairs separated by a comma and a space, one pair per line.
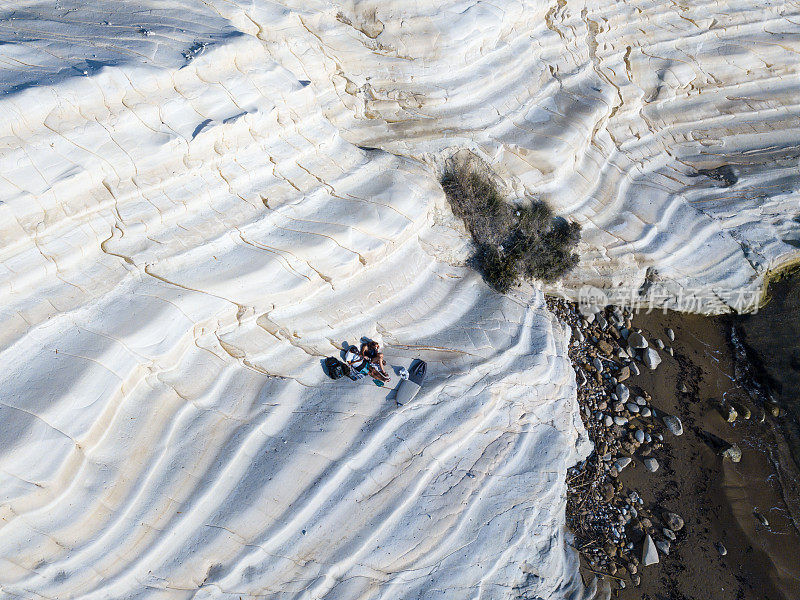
634, 368
603, 590
673, 521
622, 462
636, 340
673, 423
649, 552
651, 358
732, 453
623, 393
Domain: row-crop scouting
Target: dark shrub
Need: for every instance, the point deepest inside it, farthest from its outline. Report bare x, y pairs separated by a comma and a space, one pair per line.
513, 242
501, 269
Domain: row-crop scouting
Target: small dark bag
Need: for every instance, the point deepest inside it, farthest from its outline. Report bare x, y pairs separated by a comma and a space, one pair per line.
335, 368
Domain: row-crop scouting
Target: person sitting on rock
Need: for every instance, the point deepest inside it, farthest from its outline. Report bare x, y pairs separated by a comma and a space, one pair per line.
360, 366
371, 350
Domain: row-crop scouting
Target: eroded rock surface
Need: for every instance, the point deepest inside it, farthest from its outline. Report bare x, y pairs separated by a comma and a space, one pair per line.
200, 201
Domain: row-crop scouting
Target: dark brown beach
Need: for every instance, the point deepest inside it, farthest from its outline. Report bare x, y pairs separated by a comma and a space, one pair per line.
716, 497
751, 506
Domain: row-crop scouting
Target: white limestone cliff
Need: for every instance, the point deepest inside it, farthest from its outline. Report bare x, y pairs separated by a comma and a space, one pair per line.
200, 201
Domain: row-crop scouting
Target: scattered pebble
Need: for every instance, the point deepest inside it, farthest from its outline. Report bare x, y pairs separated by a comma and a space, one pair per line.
673, 521
721, 548
742, 410
671, 335
762, 519
651, 464
605, 347
727, 411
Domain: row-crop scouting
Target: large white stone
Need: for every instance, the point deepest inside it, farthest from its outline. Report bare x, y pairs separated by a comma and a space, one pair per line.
651, 358
637, 340
673, 423
649, 552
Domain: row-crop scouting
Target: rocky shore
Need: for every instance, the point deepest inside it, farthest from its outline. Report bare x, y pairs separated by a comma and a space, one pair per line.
643, 381
615, 530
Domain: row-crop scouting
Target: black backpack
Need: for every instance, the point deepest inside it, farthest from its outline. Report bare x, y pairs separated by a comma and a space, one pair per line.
336, 368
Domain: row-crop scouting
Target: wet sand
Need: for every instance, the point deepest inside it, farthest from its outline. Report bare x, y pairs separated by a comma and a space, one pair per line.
716, 498
772, 339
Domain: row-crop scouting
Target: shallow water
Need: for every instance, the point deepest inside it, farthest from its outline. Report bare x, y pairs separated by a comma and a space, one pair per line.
772, 337
772, 340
